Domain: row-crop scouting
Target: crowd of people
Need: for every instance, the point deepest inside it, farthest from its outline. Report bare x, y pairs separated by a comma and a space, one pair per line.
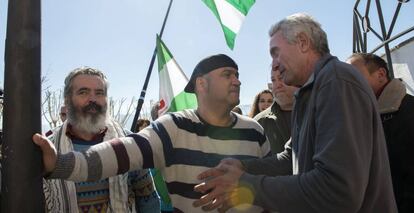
327, 136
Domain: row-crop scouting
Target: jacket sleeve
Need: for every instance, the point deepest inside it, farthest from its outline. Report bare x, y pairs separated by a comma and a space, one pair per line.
344, 114
273, 165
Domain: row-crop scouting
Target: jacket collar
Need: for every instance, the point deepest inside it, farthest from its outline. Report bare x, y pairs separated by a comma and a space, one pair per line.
391, 97
316, 70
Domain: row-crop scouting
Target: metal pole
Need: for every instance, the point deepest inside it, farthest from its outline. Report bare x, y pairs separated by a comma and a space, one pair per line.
144, 88
22, 189
384, 35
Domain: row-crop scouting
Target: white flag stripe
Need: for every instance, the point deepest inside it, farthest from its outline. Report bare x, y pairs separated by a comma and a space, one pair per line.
229, 15
179, 80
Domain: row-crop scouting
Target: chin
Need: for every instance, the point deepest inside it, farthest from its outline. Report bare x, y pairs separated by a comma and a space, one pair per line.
235, 103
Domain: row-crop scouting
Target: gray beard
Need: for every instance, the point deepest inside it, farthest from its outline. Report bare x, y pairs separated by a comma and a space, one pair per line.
88, 123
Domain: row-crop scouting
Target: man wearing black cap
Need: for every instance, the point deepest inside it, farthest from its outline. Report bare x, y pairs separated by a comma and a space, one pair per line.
180, 144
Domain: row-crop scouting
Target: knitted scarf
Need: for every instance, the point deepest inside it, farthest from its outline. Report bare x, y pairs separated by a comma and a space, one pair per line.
60, 195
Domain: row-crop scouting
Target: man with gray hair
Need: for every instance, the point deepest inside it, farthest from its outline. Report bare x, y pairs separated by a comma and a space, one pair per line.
85, 95
336, 160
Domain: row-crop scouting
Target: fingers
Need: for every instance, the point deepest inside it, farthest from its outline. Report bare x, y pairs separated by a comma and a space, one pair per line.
227, 204
49, 153
206, 186
211, 173
39, 139
208, 200
216, 203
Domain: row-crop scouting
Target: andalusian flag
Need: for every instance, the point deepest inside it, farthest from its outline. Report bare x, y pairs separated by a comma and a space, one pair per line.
230, 14
172, 83
172, 99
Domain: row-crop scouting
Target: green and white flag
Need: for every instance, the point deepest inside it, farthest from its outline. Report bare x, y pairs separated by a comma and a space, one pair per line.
231, 14
172, 83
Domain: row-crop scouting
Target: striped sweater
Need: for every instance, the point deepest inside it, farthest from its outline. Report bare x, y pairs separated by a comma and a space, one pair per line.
179, 144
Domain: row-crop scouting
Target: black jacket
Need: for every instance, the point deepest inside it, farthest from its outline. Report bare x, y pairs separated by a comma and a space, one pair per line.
397, 114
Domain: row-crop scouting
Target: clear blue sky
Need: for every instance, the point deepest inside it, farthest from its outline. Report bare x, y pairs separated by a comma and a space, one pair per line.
118, 37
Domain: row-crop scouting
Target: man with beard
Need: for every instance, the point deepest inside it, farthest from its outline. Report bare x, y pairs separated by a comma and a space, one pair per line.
87, 124
276, 120
180, 144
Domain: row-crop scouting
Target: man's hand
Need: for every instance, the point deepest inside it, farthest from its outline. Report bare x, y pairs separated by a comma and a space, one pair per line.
222, 180
48, 151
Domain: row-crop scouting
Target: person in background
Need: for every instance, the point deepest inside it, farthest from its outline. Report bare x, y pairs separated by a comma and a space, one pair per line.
141, 124
337, 158
87, 124
276, 120
261, 101
397, 114
154, 111
62, 115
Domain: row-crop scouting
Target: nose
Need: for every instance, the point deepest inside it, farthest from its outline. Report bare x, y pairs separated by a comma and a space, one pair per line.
275, 63
93, 98
236, 81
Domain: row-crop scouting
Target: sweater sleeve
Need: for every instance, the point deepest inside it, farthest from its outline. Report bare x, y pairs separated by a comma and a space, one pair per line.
341, 159
109, 158
106, 159
146, 198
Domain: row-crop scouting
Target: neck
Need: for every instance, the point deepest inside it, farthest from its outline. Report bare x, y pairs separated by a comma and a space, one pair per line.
83, 134
309, 66
223, 118
286, 107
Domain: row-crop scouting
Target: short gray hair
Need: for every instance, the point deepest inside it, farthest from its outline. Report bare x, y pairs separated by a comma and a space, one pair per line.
297, 23
83, 71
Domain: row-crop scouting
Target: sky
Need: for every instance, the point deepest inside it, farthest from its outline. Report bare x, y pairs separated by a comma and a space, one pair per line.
118, 37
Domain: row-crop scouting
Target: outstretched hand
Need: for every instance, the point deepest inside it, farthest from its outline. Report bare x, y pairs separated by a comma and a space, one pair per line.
48, 151
222, 182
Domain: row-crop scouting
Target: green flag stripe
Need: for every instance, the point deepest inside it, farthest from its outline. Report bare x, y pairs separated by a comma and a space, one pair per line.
242, 5
230, 36
210, 4
163, 54
183, 101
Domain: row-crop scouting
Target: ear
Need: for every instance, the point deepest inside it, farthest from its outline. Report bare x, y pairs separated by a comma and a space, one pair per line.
381, 73
303, 42
200, 83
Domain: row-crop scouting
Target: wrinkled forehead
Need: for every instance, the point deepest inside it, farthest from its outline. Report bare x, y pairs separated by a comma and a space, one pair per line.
88, 81
274, 43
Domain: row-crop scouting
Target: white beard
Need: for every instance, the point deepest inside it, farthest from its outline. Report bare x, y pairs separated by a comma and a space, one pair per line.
87, 123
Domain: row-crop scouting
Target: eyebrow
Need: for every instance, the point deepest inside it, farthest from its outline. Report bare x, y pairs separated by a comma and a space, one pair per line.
84, 88
89, 89
273, 50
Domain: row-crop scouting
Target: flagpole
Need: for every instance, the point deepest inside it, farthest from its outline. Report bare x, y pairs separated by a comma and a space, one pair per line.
144, 88
21, 185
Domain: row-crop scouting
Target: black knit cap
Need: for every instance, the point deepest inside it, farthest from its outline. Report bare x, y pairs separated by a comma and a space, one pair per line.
207, 65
